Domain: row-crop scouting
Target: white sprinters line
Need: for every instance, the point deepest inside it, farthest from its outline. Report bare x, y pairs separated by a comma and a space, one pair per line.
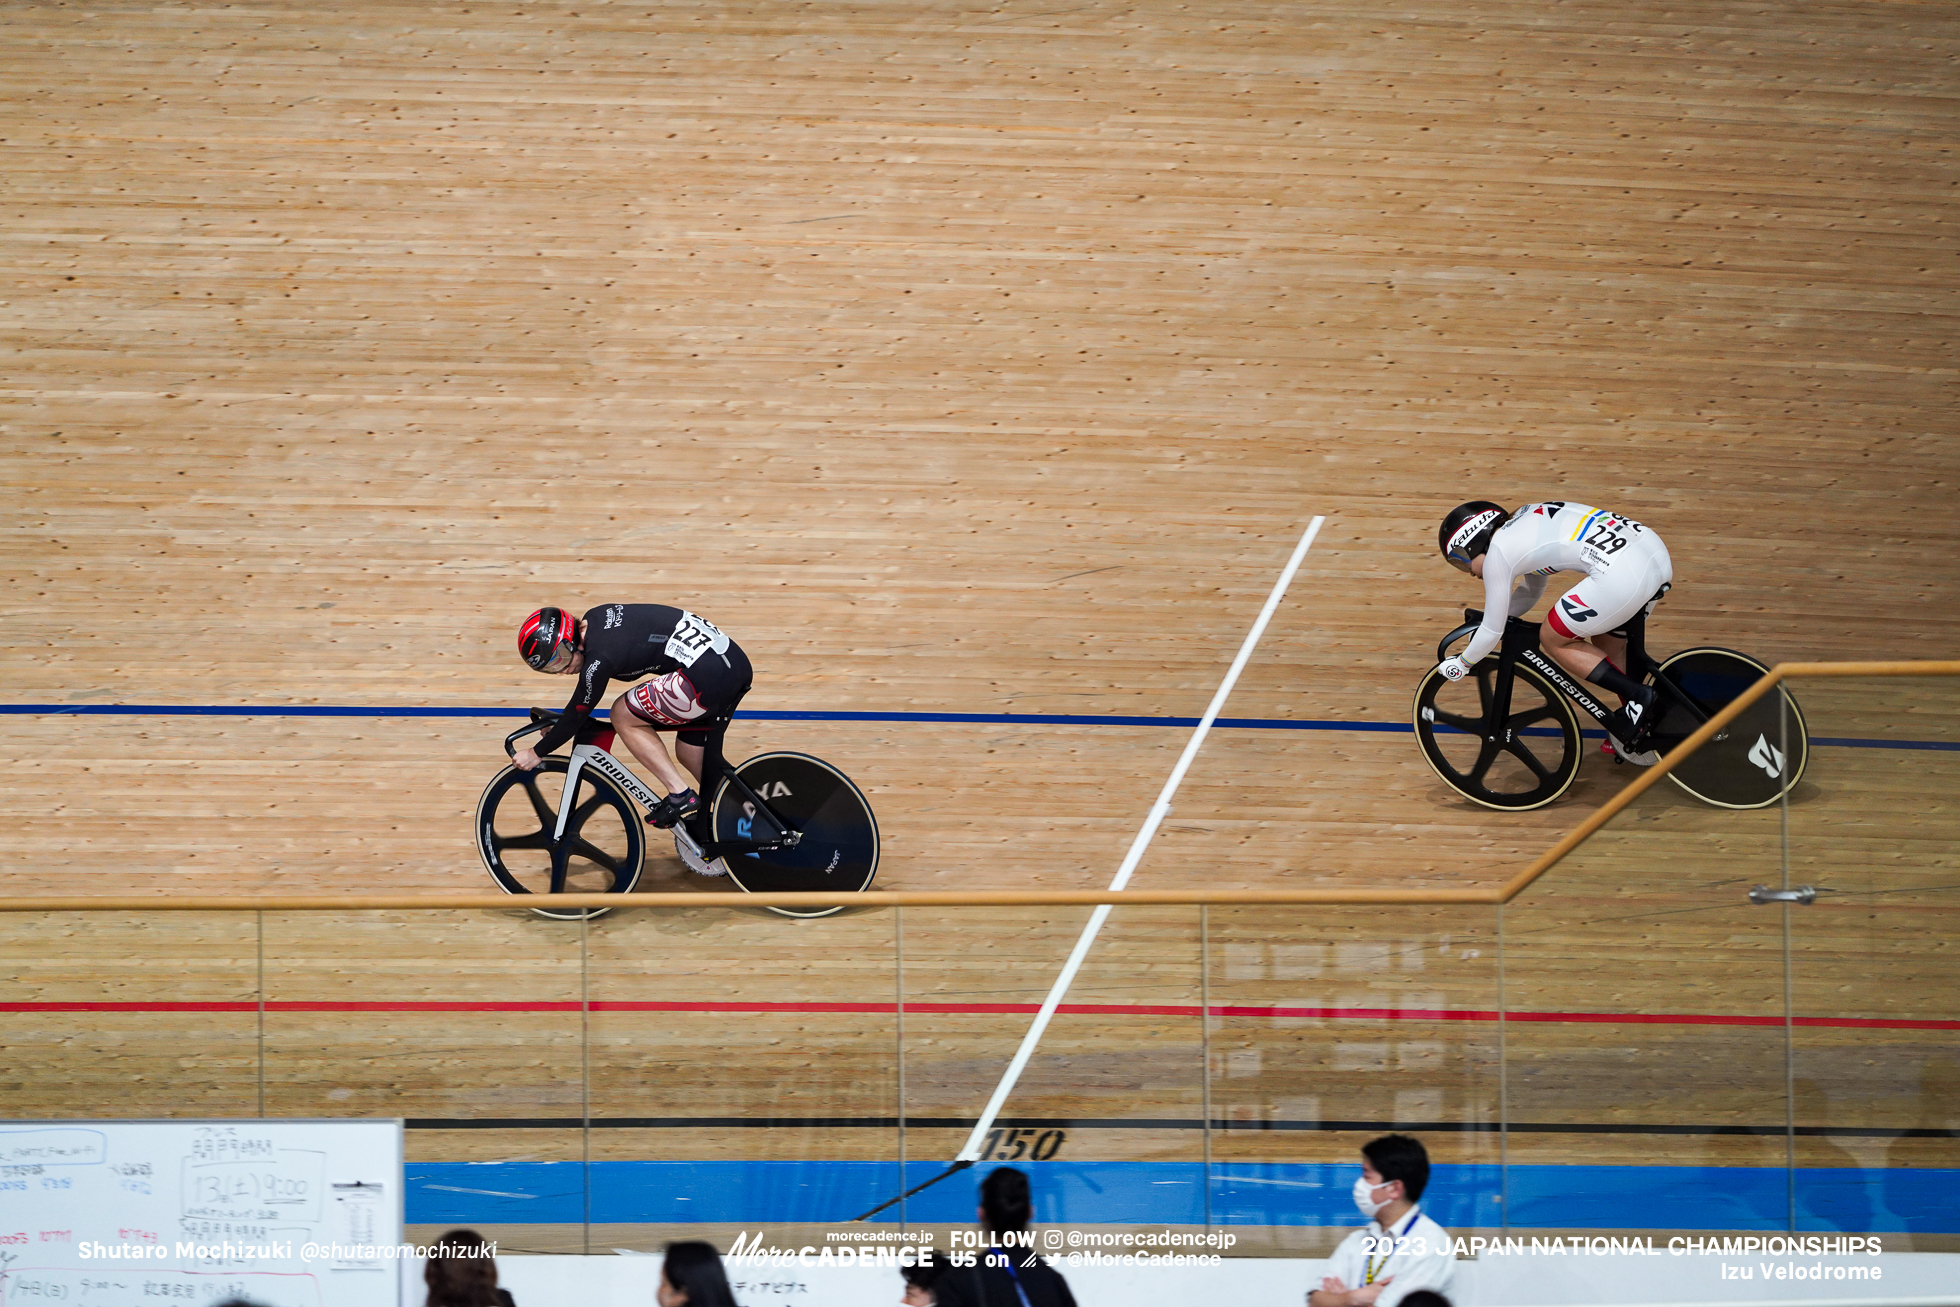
487, 1193
1158, 811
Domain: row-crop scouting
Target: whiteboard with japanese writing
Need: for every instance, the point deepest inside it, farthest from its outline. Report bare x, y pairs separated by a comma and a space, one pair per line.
194, 1213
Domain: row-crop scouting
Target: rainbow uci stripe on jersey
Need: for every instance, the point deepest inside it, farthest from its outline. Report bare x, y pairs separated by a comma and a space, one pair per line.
1584, 526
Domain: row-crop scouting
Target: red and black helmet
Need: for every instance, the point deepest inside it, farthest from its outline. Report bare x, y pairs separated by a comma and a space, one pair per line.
548, 639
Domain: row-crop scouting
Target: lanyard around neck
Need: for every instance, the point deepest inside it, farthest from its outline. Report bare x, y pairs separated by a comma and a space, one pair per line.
1015, 1276
1375, 1265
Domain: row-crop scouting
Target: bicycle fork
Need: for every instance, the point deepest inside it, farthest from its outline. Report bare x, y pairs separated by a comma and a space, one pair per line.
598, 756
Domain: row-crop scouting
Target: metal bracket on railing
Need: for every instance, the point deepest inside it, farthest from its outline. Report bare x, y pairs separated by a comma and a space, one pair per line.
1801, 894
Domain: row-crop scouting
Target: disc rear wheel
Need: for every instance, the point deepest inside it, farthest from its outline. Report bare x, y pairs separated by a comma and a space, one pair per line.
838, 848
1757, 757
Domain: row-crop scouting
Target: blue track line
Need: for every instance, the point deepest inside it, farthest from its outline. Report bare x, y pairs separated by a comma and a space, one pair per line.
1540, 1197
815, 715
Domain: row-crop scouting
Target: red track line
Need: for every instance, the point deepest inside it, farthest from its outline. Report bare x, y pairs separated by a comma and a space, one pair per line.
996, 1009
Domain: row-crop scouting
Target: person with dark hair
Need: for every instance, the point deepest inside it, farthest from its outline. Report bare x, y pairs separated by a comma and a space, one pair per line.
461, 1272
692, 1276
1400, 1252
1012, 1274
921, 1280
1425, 1298
1005, 1203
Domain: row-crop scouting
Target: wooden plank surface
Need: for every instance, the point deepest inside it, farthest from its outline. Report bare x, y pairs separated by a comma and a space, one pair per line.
964, 360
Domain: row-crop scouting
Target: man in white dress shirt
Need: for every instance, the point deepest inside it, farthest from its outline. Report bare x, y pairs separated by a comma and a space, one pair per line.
1400, 1250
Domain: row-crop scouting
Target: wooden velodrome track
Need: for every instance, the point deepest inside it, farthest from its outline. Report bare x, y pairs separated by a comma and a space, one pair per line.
970, 360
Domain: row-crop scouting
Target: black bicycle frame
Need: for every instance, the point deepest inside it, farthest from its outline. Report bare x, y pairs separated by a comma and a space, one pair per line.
1520, 644
712, 764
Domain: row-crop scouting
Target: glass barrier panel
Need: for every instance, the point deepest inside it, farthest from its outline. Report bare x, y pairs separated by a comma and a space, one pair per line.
137, 1014
1645, 1041
744, 1073
1874, 827
1331, 1026
463, 1024
1107, 1119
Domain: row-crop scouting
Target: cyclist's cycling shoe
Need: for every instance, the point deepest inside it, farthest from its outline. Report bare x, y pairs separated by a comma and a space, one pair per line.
675, 807
1629, 726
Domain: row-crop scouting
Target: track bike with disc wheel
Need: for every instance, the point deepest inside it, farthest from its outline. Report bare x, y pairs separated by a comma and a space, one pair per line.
1508, 735
780, 821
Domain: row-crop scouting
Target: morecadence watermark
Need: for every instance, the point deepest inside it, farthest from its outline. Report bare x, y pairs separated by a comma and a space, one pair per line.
185, 1250
1743, 1257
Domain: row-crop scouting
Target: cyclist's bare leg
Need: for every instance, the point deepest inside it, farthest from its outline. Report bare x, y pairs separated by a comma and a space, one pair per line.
1582, 657
649, 748
1579, 657
1614, 647
690, 756
1576, 655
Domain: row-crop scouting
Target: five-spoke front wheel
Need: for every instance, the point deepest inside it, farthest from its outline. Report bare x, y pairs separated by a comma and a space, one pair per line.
1527, 761
602, 850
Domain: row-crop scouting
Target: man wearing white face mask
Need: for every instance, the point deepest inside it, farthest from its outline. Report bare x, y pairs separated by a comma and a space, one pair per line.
1400, 1250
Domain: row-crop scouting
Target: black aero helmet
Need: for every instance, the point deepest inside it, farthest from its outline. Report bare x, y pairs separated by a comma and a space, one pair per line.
548, 639
1466, 532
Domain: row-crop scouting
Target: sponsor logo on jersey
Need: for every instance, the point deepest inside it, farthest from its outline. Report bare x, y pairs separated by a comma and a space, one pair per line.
615, 615
670, 700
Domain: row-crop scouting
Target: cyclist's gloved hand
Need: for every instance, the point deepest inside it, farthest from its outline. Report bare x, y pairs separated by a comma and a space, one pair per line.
1454, 668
